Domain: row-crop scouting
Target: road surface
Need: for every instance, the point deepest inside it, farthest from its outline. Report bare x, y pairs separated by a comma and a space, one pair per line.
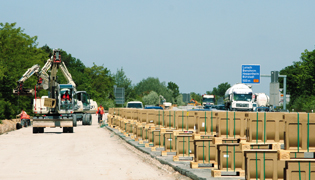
88, 153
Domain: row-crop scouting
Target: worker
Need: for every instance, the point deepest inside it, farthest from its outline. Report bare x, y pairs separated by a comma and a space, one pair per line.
25, 119
100, 112
65, 97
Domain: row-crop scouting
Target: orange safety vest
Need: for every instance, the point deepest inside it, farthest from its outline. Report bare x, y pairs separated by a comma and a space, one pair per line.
66, 97
24, 115
100, 110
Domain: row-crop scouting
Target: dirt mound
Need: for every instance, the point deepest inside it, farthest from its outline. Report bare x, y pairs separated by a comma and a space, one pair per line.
8, 125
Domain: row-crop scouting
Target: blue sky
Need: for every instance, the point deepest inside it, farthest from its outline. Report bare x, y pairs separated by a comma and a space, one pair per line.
196, 44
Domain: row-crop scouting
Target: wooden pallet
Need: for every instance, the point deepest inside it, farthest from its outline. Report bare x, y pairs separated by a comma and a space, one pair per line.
126, 134
156, 147
183, 158
198, 165
165, 153
286, 155
271, 146
224, 173
148, 144
133, 137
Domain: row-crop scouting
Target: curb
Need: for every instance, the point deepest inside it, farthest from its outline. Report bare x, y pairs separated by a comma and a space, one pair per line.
176, 168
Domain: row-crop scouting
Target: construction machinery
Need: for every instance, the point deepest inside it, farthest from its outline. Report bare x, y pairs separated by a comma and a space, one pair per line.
54, 111
193, 102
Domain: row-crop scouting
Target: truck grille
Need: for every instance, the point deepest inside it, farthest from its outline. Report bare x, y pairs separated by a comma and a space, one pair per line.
242, 105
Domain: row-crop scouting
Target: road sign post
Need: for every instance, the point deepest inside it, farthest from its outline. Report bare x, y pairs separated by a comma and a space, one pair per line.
251, 74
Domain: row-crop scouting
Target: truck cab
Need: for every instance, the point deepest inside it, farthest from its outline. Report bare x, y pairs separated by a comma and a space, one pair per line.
239, 98
208, 100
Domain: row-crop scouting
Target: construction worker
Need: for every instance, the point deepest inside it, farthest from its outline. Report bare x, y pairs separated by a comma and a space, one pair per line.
65, 97
25, 119
100, 112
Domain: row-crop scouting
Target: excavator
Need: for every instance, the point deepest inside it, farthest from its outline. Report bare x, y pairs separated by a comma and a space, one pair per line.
54, 111
193, 102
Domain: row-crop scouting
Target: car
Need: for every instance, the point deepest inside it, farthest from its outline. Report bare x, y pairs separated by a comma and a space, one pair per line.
153, 107
220, 107
134, 104
262, 109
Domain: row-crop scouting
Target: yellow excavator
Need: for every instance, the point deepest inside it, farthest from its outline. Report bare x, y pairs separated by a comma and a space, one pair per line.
193, 102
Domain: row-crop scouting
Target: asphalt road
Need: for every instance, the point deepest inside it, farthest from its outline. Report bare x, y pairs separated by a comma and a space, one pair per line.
90, 152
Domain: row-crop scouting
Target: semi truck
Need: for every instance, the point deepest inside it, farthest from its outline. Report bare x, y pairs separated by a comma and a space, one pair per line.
208, 100
239, 98
261, 99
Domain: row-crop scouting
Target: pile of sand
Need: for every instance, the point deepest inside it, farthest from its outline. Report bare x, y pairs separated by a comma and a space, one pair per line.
8, 125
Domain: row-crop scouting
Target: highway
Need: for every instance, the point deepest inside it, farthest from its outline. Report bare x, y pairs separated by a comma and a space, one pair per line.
90, 152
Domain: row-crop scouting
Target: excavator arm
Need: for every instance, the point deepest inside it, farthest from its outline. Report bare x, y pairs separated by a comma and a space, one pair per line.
19, 90
44, 80
66, 74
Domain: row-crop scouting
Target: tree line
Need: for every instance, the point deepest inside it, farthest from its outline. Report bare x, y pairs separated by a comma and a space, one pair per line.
19, 51
301, 82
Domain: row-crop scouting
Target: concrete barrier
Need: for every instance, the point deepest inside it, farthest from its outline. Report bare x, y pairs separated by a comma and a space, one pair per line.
169, 119
185, 120
206, 122
265, 127
263, 164
232, 124
298, 132
299, 169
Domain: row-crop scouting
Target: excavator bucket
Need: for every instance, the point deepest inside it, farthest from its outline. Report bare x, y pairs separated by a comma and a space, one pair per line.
49, 102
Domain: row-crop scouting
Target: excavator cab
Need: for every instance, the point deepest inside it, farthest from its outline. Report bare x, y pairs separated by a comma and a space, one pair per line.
65, 98
82, 101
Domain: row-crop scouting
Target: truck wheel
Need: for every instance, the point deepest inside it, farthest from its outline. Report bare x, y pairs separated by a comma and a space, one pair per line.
35, 130
41, 130
74, 120
18, 126
64, 129
84, 120
90, 119
70, 129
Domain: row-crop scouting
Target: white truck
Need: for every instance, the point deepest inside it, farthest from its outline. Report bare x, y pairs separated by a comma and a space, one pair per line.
261, 99
208, 100
239, 98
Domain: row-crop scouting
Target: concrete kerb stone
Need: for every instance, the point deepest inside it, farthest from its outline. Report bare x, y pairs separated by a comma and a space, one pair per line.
162, 161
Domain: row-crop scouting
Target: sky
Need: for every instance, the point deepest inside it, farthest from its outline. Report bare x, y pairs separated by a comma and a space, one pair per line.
196, 44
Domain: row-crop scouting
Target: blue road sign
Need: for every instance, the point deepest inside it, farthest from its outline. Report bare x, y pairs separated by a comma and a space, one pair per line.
251, 73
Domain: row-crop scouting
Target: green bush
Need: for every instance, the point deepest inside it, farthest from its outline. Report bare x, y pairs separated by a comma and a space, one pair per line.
304, 104
108, 104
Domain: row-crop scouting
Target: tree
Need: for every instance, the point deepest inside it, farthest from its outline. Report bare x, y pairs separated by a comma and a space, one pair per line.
121, 80
174, 88
220, 90
145, 86
100, 84
196, 96
18, 52
301, 82
151, 99
179, 100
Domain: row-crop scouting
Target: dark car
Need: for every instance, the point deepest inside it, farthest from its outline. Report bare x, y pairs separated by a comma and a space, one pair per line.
262, 109
153, 107
220, 107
